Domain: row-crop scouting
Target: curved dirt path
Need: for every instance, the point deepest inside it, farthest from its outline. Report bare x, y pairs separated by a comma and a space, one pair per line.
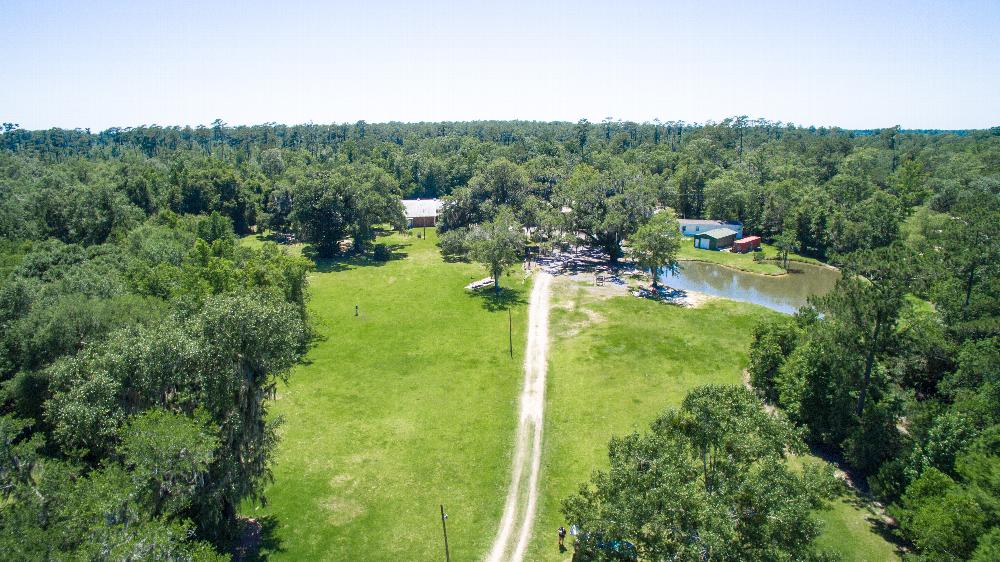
519, 510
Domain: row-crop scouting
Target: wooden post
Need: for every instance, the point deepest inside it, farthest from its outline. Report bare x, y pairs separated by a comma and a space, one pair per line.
444, 529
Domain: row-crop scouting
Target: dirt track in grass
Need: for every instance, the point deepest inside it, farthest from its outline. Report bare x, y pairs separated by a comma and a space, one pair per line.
514, 533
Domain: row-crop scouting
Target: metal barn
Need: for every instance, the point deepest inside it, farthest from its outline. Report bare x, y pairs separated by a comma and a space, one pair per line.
716, 239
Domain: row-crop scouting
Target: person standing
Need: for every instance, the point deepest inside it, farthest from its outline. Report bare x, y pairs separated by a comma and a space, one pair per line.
562, 536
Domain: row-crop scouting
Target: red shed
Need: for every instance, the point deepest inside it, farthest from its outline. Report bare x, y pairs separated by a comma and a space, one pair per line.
747, 244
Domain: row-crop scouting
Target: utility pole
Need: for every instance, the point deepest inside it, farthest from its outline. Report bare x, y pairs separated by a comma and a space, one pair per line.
444, 528
510, 333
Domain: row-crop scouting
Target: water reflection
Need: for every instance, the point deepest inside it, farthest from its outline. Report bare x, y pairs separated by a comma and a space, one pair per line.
785, 293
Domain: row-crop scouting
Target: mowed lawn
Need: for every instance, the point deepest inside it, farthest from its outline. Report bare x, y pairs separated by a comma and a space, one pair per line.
615, 364
409, 405
743, 262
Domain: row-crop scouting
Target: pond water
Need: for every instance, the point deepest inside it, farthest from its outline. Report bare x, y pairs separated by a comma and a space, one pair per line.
784, 293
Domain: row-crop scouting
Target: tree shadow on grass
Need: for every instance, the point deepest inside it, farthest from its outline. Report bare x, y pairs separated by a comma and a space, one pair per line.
858, 495
346, 261
496, 301
258, 540
280, 238
883, 526
455, 258
853, 477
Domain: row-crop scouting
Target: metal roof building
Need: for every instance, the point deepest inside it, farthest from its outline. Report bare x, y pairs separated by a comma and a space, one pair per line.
715, 239
421, 212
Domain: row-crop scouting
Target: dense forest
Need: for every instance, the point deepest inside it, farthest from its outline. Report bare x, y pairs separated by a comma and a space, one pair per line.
140, 343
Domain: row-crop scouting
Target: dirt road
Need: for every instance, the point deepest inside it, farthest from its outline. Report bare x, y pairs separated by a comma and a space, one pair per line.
512, 538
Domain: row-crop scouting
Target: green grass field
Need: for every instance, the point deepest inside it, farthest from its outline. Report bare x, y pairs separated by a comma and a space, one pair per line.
743, 262
615, 364
413, 404
410, 405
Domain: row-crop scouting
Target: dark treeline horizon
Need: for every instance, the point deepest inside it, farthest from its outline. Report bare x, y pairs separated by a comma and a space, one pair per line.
14, 124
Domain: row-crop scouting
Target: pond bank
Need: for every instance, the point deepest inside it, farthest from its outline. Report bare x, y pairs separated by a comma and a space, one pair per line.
770, 265
783, 293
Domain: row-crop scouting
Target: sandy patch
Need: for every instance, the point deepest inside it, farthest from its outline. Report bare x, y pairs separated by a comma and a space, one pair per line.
341, 510
694, 299
668, 295
341, 480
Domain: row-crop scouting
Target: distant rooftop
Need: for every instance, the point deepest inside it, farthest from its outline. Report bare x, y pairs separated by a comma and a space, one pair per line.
703, 221
719, 233
421, 207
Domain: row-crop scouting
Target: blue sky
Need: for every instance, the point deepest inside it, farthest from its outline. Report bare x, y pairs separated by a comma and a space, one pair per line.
919, 64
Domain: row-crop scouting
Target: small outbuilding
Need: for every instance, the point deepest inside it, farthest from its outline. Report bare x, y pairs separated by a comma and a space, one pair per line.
748, 244
421, 212
715, 239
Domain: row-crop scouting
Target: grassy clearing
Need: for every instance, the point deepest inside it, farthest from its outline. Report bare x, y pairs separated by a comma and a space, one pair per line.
743, 262
258, 240
851, 527
615, 364
410, 405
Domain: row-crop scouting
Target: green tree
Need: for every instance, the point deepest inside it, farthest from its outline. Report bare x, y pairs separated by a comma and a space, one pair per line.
866, 303
725, 196
785, 243
374, 199
972, 251
320, 212
169, 456
941, 518
605, 207
773, 341
351, 201
673, 492
272, 163
497, 244
816, 384
989, 547
656, 243
225, 361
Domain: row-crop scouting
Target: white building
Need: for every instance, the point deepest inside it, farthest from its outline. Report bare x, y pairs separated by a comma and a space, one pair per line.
694, 227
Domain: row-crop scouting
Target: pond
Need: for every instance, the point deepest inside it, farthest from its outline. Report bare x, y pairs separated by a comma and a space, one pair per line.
784, 293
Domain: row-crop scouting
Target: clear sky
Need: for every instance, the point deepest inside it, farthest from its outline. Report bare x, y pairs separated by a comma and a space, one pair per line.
919, 64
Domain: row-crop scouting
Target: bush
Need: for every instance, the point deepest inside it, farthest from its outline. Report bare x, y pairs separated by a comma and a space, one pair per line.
381, 253
454, 244
772, 342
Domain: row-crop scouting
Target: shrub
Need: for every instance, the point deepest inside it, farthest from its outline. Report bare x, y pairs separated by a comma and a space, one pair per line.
454, 244
381, 253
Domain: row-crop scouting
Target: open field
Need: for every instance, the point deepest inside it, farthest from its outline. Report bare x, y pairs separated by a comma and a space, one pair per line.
743, 262
615, 364
409, 405
426, 412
